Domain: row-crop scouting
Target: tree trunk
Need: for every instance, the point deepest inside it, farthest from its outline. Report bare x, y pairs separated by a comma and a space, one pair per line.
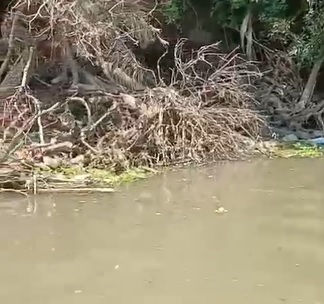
310, 85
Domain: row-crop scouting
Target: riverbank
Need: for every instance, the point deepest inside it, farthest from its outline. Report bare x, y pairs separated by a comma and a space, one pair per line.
34, 180
298, 149
57, 178
111, 117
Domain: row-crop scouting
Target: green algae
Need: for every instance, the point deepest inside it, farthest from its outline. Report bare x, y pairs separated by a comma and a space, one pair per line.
297, 150
98, 177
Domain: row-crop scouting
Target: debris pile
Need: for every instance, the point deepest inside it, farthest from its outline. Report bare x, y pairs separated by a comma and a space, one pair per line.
74, 93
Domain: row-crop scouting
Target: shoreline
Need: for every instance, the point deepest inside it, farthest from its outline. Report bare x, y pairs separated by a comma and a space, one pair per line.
67, 179
34, 180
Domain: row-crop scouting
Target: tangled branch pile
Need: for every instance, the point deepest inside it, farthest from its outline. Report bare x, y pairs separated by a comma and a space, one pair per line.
279, 94
94, 98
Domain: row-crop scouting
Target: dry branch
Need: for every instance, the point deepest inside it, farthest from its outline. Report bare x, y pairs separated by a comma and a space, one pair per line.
110, 114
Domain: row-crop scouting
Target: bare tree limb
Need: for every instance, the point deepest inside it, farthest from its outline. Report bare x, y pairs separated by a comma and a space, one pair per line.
310, 85
10, 47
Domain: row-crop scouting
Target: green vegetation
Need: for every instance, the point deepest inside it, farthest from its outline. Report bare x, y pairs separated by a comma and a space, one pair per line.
174, 11
296, 25
297, 150
99, 177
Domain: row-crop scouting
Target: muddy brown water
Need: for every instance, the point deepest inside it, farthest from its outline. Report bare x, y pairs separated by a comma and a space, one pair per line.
160, 241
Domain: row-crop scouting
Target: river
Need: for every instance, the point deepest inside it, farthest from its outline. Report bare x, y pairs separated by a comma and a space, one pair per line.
161, 240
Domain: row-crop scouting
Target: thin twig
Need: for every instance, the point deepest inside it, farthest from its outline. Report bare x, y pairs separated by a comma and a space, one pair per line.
114, 106
17, 141
13, 190
26, 71
79, 99
39, 120
83, 140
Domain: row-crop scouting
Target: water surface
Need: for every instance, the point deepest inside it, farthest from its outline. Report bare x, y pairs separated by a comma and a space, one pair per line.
160, 241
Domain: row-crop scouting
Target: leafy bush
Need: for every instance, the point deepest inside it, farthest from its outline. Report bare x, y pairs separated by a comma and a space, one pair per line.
298, 25
309, 45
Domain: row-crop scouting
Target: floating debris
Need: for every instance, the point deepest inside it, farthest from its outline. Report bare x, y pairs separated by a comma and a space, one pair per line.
221, 210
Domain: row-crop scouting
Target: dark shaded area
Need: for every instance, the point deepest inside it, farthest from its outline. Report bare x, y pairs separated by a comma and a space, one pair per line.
4, 4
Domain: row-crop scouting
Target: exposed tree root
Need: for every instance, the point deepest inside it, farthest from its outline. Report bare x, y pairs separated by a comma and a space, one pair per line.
291, 109
108, 108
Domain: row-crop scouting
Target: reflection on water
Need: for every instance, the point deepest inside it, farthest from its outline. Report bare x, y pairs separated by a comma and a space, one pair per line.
160, 241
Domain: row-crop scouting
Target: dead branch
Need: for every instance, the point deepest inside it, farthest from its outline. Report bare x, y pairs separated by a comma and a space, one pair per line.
10, 47
310, 85
106, 110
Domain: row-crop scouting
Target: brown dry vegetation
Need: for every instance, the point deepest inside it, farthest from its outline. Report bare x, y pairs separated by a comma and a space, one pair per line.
111, 109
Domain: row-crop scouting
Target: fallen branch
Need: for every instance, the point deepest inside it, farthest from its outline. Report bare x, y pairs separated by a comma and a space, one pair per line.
17, 140
2, 190
78, 190
26, 71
